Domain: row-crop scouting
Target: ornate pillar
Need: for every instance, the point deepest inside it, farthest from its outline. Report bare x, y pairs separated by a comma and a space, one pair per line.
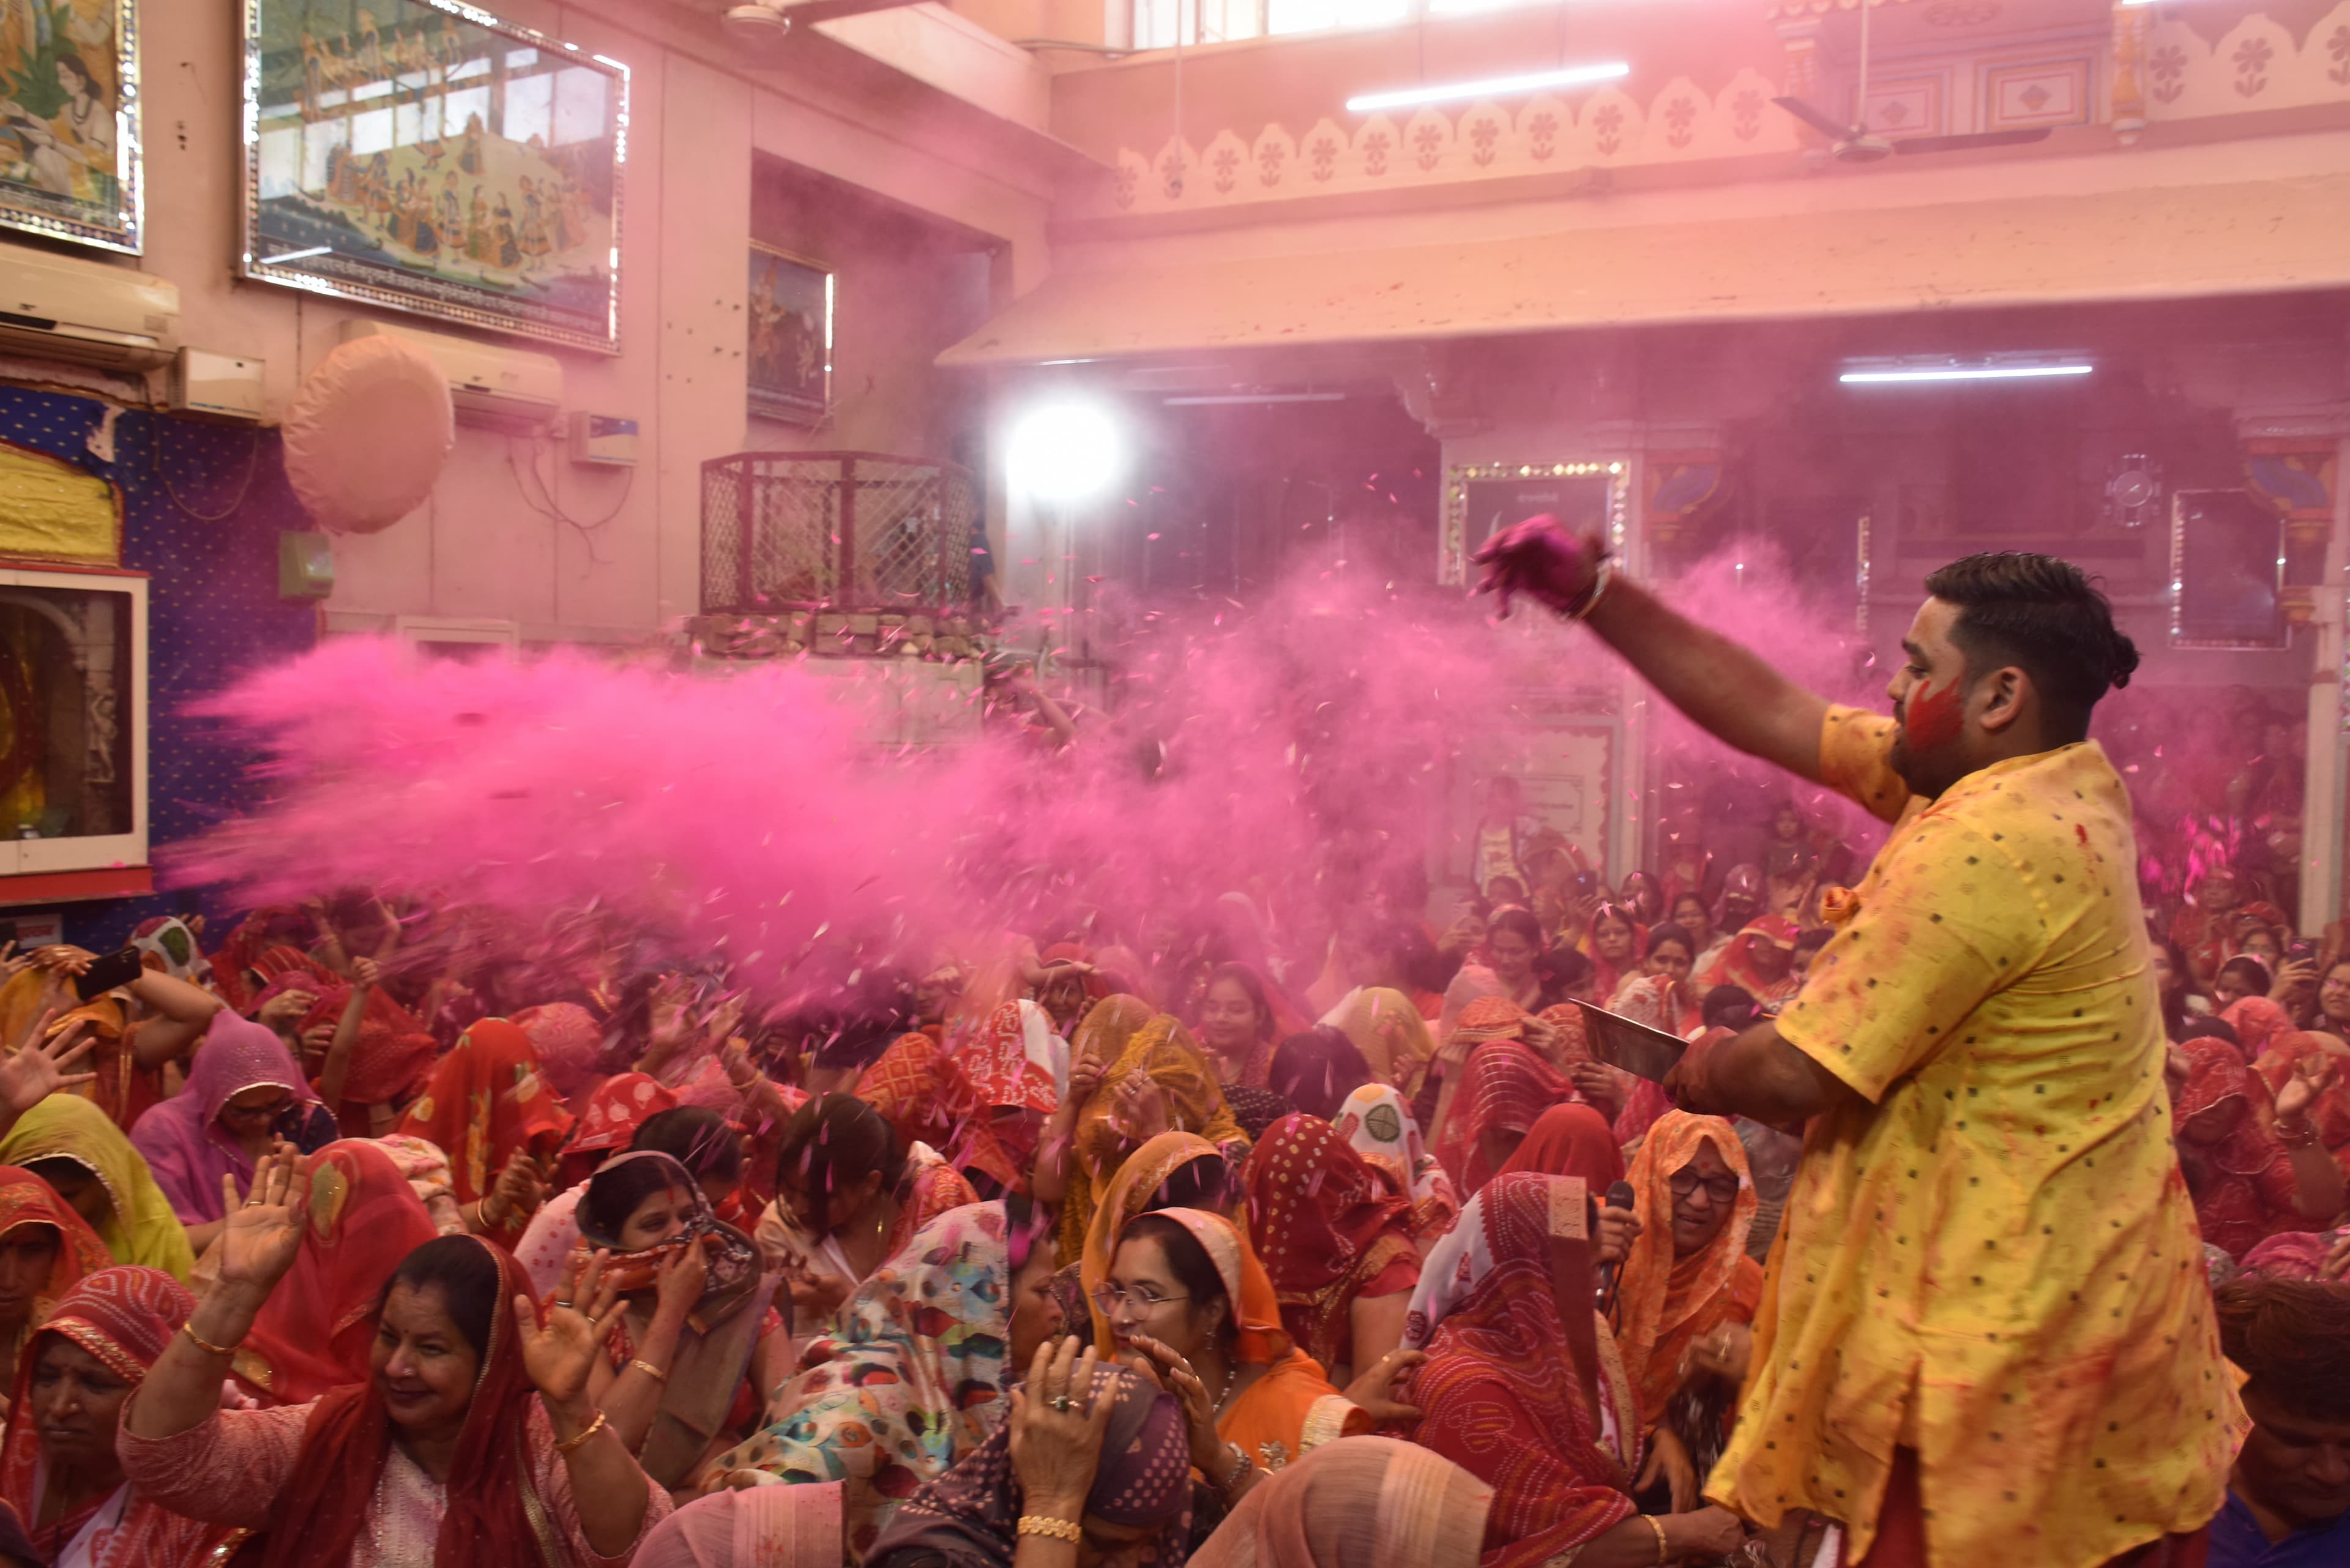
2130, 26
2294, 461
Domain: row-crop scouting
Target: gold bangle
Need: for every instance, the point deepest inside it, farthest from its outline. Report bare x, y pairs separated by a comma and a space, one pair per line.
1057, 1529
202, 1343
594, 1426
1664, 1552
650, 1370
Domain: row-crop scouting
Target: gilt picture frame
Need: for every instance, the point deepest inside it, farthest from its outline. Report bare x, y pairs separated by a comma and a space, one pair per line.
70, 159
789, 324
425, 156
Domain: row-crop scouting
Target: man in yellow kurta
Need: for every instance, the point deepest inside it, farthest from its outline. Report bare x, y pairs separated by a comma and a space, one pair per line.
1986, 1337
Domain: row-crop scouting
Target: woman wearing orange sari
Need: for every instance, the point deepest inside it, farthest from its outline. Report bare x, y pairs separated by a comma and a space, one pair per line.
484, 1107
1388, 1029
1686, 1278
1187, 1292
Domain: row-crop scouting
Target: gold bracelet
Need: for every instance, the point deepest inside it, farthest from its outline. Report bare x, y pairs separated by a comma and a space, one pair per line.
1664, 1552
587, 1432
1045, 1524
650, 1370
202, 1343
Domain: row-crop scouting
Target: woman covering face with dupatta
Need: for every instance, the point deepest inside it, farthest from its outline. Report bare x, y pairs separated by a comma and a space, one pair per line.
2330, 1112
1523, 1388
57, 1465
484, 1104
915, 1375
70, 1144
45, 1248
1378, 1126
319, 1326
1505, 1085
2241, 1177
1337, 1243
1388, 1029
694, 1321
1157, 1082
1759, 960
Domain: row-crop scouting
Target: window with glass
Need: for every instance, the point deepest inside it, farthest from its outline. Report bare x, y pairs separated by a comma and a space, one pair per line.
73, 692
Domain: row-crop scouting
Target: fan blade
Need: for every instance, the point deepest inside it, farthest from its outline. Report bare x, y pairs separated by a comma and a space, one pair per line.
1814, 118
1963, 143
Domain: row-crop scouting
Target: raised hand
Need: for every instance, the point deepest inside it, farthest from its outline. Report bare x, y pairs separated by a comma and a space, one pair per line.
2311, 1076
287, 1009
366, 974
559, 1354
38, 1070
1540, 559
1085, 1077
517, 1195
1376, 1391
264, 1233
1602, 1087
1057, 1429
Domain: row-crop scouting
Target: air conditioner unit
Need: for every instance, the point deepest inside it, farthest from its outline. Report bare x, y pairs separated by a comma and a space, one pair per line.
61, 307
506, 388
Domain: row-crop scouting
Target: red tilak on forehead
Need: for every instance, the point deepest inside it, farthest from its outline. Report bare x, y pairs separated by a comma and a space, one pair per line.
1931, 717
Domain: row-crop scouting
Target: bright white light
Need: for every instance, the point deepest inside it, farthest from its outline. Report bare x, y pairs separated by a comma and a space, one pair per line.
1067, 451
1962, 373
295, 255
1491, 87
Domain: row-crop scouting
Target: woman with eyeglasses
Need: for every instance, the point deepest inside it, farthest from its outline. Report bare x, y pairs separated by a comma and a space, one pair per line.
1187, 1295
1687, 1293
243, 1095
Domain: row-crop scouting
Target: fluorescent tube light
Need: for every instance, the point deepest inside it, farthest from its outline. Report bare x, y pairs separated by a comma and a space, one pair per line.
295, 255
1491, 86
1223, 399
1962, 373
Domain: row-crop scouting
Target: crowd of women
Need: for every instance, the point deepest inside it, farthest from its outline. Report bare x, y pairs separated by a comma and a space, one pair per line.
357, 1239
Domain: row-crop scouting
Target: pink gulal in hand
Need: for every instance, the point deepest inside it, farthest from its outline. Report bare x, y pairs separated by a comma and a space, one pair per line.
1538, 558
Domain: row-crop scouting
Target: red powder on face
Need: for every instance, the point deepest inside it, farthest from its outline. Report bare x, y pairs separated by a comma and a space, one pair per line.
1931, 717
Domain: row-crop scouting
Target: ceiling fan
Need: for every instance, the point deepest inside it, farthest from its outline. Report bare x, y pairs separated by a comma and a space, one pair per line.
1853, 144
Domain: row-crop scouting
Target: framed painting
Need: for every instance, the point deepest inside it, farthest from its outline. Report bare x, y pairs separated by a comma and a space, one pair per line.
425, 156
790, 323
1482, 499
70, 119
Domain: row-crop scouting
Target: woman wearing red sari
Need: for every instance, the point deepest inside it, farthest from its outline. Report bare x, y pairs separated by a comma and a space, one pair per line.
1505, 1085
45, 1248
58, 1468
314, 1332
1523, 1388
441, 1456
487, 1108
1336, 1242
2254, 1166
1614, 944
2321, 1057
1759, 960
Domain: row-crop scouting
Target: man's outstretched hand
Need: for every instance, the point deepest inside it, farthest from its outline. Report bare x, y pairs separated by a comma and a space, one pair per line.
1540, 559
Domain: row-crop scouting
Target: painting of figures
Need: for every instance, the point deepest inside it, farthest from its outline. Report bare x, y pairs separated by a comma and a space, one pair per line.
426, 158
70, 119
790, 351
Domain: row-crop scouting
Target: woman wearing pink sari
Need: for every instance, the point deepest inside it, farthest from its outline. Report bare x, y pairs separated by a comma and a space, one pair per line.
242, 1095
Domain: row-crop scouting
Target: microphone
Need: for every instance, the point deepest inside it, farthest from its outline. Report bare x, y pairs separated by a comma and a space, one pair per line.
1619, 1195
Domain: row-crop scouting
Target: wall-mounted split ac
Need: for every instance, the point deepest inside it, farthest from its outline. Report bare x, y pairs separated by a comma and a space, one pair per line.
86, 312
509, 389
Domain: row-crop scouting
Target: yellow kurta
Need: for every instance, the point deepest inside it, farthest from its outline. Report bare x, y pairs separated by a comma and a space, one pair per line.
1996, 1262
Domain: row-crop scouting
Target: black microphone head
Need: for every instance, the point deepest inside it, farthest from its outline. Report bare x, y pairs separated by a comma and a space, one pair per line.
1621, 1196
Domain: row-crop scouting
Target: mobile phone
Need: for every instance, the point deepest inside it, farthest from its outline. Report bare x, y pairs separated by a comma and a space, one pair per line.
1586, 883
114, 969
2301, 952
